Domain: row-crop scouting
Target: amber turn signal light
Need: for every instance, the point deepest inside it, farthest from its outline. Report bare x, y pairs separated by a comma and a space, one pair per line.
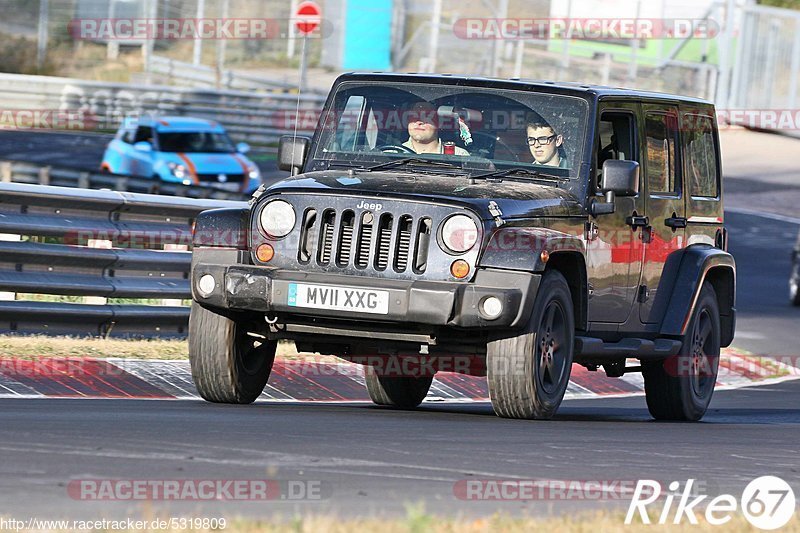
265, 253
459, 269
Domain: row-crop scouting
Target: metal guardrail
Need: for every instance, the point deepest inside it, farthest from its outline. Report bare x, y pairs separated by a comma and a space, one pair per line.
99, 244
181, 73
37, 174
257, 118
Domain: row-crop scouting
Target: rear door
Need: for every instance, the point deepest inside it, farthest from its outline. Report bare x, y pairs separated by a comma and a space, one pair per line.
665, 207
703, 177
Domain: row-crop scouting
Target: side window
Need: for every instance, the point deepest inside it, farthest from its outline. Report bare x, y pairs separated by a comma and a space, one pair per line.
661, 132
701, 158
143, 133
616, 139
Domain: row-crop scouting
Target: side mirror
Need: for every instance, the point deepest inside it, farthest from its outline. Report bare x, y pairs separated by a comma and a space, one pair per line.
143, 146
620, 177
242, 148
292, 153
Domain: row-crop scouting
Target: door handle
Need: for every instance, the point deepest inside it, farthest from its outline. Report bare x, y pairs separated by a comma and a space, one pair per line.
636, 221
675, 222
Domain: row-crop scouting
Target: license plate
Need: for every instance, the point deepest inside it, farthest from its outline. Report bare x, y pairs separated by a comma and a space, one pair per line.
228, 187
338, 298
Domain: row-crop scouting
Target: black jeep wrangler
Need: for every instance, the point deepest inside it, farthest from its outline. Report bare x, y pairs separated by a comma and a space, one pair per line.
521, 226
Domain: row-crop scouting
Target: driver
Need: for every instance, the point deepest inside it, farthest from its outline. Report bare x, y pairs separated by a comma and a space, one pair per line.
423, 130
545, 144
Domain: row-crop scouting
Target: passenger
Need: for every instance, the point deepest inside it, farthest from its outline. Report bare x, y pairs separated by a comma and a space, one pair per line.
545, 144
423, 131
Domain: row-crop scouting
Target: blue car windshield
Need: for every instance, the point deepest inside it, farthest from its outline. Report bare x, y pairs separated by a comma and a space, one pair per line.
195, 141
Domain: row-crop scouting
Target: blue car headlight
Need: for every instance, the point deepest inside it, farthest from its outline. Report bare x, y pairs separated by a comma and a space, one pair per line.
178, 170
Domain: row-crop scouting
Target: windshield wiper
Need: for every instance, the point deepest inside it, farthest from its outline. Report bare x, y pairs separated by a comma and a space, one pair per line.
413, 160
521, 172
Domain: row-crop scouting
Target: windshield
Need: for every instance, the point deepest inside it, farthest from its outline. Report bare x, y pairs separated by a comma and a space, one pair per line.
472, 128
195, 141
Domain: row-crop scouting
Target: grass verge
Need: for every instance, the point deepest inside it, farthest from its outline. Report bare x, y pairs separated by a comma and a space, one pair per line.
35, 346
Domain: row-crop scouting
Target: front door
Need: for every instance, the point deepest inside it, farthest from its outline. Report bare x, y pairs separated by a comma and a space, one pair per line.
614, 248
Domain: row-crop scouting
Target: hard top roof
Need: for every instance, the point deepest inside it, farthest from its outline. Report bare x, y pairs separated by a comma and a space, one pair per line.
577, 89
175, 123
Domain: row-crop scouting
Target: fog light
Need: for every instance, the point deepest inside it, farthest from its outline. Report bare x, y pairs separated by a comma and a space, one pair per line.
265, 253
459, 269
492, 307
206, 285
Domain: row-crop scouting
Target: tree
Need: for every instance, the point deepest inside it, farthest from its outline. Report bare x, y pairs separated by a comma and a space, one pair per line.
788, 4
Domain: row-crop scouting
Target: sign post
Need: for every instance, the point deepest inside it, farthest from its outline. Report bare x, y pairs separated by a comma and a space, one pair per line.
307, 18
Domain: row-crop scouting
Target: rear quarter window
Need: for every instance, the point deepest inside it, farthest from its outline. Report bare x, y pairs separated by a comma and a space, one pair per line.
702, 173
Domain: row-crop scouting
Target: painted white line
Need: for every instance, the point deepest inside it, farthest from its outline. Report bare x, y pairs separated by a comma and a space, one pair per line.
749, 335
771, 216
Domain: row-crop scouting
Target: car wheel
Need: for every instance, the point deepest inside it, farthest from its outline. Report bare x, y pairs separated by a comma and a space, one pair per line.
680, 387
402, 392
794, 281
528, 373
230, 364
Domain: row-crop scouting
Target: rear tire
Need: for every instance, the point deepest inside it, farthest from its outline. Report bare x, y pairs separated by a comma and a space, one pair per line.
401, 392
229, 365
528, 374
680, 387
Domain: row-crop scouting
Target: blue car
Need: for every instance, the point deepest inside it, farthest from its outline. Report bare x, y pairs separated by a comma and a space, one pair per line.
181, 150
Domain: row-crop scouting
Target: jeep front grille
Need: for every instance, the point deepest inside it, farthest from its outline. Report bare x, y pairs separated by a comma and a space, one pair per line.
363, 236
355, 240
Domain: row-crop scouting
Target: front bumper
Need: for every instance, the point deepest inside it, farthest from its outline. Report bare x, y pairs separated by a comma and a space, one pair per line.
241, 287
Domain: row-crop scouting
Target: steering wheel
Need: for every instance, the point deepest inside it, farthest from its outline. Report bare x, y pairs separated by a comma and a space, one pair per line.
396, 149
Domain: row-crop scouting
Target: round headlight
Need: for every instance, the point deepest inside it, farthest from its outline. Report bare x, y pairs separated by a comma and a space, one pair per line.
277, 218
459, 233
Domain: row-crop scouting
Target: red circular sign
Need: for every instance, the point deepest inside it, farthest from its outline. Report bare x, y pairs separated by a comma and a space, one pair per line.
307, 17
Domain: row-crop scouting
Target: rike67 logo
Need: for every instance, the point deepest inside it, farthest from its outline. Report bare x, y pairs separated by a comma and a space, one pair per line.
767, 502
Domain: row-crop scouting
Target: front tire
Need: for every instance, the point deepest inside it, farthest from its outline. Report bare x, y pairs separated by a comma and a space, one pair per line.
229, 363
528, 373
680, 388
403, 392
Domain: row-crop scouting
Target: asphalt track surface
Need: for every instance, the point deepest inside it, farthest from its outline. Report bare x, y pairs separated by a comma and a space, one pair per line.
365, 460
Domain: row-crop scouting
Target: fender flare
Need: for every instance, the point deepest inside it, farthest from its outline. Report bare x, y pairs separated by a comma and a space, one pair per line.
698, 264
519, 248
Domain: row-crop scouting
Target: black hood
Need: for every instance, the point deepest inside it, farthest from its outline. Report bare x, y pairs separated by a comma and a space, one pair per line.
515, 198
